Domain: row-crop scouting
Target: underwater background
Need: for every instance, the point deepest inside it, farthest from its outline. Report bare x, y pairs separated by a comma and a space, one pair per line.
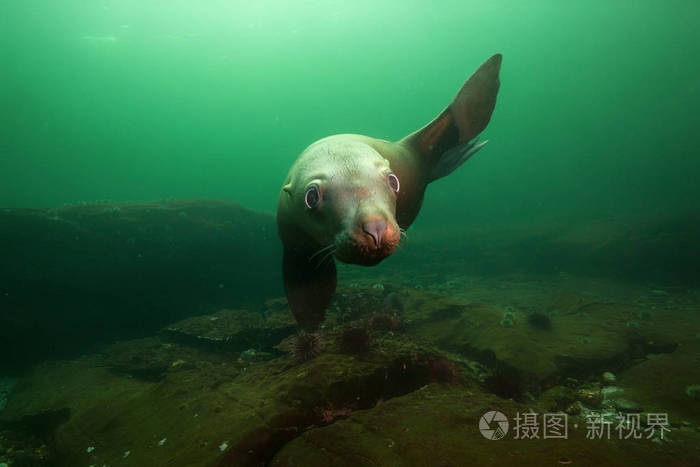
133, 101
142, 148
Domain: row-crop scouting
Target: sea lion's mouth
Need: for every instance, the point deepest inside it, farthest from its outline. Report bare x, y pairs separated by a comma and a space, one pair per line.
356, 254
360, 248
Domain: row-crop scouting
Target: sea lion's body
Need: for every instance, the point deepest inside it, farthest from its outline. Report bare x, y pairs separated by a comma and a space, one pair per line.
349, 196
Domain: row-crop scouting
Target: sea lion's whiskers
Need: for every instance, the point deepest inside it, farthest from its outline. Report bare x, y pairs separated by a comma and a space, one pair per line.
329, 254
324, 249
403, 238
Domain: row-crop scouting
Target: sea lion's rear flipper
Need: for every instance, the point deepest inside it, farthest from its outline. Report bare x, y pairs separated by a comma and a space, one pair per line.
449, 140
309, 287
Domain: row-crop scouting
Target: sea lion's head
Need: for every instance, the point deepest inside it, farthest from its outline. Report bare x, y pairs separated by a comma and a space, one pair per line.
341, 196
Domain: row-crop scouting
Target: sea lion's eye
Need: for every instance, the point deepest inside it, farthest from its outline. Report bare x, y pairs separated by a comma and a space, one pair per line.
312, 197
393, 182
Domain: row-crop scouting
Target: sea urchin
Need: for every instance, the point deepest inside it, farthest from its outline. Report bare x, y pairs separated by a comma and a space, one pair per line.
307, 346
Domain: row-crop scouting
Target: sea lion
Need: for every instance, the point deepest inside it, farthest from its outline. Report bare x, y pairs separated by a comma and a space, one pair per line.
349, 197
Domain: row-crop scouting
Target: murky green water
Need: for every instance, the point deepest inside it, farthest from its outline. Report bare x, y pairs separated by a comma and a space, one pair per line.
127, 100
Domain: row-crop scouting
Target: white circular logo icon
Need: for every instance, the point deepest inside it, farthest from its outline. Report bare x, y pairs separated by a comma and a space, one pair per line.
493, 425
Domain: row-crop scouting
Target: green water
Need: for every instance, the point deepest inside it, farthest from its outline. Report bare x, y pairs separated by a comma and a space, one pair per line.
142, 100
567, 248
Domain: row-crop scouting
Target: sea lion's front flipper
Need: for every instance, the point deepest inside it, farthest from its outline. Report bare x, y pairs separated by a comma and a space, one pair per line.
449, 140
309, 288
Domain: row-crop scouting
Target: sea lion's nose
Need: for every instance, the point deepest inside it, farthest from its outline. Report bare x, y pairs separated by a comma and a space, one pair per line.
375, 229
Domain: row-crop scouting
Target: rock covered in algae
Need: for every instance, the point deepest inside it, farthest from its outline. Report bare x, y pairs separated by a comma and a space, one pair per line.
78, 275
412, 390
233, 330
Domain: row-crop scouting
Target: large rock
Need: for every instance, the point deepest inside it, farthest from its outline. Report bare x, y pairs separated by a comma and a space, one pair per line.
585, 337
74, 276
660, 384
207, 408
235, 330
439, 425
413, 395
